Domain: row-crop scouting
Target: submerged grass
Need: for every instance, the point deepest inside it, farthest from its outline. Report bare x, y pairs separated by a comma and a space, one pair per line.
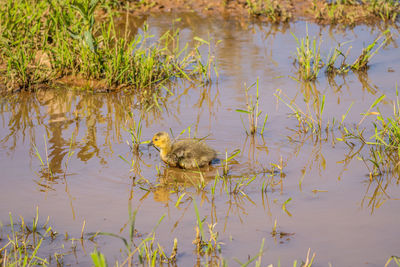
396, 259
253, 111
309, 60
309, 120
384, 144
44, 41
24, 244
204, 245
136, 133
361, 63
379, 151
147, 251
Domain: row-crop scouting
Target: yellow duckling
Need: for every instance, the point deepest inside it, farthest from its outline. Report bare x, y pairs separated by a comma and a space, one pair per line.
187, 154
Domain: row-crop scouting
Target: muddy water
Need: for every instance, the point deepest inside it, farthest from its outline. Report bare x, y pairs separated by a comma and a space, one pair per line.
334, 211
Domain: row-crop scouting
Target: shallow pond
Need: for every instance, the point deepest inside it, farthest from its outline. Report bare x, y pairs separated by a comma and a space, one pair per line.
320, 197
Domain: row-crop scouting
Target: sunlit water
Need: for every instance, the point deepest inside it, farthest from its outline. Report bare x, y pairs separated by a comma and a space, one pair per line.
333, 209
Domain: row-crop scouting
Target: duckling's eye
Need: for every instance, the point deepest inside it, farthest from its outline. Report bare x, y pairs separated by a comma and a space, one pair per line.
155, 139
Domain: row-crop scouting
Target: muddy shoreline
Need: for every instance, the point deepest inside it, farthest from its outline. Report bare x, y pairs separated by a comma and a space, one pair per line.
347, 13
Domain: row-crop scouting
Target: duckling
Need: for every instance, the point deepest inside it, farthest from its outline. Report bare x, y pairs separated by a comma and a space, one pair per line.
187, 154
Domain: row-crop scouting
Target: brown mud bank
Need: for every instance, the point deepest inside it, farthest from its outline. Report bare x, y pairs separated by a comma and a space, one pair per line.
347, 12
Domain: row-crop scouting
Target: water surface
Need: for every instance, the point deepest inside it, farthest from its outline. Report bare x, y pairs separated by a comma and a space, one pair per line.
343, 223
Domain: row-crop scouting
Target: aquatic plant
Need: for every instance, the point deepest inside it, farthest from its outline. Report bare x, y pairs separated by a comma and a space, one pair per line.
99, 260
228, 159
379, 152
206, 69
309, 61
257, 257
308, 57
287, 201
396, 259
307, 121
384, 144
204, 246
45, 167
136, 133
331, 63
253, 111
148, 252
361, 63
24, 243
309, 261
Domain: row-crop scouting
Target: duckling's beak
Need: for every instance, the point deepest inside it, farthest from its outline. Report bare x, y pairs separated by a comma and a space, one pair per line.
152, 144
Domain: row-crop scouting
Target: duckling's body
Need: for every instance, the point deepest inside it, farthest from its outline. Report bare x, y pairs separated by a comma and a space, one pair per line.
187, 154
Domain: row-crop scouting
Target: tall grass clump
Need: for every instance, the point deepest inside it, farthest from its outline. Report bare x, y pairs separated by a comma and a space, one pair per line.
51, 39
20, 23
273, 10
387, 10
336, 11
308, 58
351, 12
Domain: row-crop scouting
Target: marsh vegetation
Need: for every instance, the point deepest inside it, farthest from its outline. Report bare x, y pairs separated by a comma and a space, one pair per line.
300, 101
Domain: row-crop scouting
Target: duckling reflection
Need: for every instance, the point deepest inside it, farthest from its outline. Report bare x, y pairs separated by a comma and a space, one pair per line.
187, 177
183, 178
186, 154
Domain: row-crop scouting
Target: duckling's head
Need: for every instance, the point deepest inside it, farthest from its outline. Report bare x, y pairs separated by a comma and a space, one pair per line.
161, 140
